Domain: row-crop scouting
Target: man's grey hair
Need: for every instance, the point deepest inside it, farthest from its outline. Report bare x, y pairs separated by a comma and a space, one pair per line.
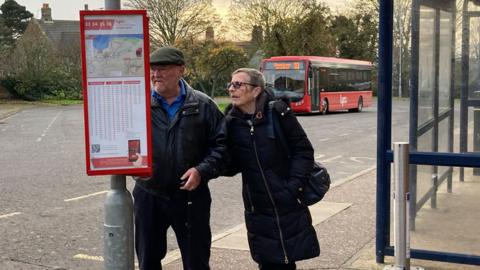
256, 77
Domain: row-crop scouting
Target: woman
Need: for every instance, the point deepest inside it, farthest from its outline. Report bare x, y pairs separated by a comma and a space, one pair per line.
279, 225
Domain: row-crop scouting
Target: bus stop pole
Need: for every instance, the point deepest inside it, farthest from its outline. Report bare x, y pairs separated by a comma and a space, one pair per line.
112, 4
118, 217
401, 205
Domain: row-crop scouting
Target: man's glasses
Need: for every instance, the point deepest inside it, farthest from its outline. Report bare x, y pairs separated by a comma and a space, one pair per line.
238, 85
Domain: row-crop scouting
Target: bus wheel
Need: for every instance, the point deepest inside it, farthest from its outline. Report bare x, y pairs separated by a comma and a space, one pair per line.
359, 105
324, 106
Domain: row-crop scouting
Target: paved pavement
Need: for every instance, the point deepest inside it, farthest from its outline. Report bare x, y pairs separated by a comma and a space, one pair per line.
345, 225
10, 107
347, 229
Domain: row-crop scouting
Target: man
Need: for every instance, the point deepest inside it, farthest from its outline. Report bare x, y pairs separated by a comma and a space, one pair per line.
188, 137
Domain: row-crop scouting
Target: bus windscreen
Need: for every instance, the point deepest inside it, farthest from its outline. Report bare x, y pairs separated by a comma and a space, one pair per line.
287, 79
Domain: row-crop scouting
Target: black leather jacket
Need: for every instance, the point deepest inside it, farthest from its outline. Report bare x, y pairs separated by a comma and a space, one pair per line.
195, 137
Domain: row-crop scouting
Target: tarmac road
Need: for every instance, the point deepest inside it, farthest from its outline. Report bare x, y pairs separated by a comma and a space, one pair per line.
46, 222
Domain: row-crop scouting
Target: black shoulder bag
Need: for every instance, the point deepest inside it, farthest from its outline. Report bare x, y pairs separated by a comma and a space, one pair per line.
318, 181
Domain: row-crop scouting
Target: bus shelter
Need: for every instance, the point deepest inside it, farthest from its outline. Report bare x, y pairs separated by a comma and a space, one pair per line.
443, 80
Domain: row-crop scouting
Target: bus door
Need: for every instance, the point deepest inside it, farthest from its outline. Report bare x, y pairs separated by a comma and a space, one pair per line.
322, 84
313, 89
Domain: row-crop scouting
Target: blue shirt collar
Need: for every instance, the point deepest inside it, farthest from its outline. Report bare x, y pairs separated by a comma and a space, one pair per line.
173, 108
181, 97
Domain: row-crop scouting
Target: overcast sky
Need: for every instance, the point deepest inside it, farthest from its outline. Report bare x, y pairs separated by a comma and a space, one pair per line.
68, 9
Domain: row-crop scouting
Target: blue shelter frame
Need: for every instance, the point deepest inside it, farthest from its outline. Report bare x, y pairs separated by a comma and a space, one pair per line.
384, 138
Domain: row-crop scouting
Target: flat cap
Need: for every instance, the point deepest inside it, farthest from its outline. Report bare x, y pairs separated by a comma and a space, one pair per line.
167, 56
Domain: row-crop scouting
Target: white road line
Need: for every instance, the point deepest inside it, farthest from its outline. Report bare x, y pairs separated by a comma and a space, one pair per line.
351, 177
331, 159
323, 140
86, 196
48, 127
344, 134
319, 156
4, 129
357, 159
10, 215
88, 257
11, 116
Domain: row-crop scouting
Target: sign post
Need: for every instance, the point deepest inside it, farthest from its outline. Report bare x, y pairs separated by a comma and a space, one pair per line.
116, 92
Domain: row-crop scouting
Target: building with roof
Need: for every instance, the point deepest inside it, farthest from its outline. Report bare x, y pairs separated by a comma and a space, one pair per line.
47, 59
61, 34
51, 38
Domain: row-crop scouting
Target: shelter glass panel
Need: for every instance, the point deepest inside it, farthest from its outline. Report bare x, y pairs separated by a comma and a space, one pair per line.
445, 228
424, 142
424, 173
445, 59
443, 141
474, 65
426, 74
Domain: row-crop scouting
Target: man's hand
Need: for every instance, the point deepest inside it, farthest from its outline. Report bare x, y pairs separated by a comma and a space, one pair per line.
139, 161
192, 178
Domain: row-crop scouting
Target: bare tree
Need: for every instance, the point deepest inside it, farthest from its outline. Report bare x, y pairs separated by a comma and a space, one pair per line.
265, 13
173, 20
401, 45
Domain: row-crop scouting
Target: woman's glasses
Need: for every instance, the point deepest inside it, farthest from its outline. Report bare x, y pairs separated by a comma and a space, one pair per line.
238, 85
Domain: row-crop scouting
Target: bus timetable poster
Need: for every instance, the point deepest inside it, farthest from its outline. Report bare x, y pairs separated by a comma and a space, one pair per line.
116, 92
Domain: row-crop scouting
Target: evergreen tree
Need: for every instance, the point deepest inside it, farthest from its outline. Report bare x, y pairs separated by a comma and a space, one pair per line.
14, 19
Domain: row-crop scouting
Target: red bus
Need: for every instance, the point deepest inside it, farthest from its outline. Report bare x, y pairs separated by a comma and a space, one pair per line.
320, 84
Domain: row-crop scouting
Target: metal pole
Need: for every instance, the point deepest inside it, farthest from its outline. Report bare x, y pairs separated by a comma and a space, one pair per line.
465, 75
400, 52
476, 135
384, 131
118, 226
401, 201
413, 93
112, 4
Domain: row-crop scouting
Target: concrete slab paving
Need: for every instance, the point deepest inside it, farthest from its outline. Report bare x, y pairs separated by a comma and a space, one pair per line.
238, 239
347, 235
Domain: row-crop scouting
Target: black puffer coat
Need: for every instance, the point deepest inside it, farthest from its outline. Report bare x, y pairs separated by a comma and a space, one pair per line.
279, 226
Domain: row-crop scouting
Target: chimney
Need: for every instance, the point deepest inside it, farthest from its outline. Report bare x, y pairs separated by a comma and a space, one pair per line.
46, 13
209, 34
257, 34
85, 7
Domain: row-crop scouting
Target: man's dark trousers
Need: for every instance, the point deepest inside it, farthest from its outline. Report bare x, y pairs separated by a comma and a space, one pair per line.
154, 214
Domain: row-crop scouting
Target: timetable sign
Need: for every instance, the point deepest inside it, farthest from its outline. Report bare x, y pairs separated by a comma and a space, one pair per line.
116, 91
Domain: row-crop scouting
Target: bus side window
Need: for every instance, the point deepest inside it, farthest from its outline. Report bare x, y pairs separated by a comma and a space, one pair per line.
332, 80
365, 83
351, 80
322, 79
369, 79
342, 79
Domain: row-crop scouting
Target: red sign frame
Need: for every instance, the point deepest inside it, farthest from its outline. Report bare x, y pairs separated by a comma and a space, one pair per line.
116, 165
